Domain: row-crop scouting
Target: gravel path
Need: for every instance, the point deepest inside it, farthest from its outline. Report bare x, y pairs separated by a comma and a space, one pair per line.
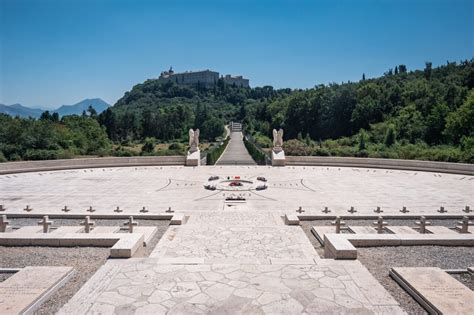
379, 260
85, 260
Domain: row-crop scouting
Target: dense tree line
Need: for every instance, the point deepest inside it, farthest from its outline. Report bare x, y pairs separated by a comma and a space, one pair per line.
50, 137
430, 107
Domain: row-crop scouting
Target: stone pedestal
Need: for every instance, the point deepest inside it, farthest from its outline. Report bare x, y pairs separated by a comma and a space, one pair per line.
193, 158
278, 158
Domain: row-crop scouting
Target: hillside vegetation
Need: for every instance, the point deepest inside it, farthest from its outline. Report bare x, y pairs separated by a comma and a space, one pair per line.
422, 114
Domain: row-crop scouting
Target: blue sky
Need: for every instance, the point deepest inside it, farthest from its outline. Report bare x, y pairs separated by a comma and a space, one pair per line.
59, 52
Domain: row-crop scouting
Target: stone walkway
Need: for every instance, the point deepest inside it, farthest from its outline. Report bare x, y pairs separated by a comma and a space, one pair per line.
232, 263
236, 153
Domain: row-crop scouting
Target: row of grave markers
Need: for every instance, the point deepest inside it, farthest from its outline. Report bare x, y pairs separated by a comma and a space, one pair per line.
381, 224
404, 209
90, 209
87, 223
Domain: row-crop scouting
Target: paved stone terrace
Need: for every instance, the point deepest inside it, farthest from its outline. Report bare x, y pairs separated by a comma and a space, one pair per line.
234, 269
181, 188
236, 153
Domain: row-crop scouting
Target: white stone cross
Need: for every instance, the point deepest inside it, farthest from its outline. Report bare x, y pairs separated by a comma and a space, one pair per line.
90, 209
326, 210
28, 209
338, 224
169, 210
130, 224
3, 223
467, 209
352, 210
65, 209
404, 210
88, 224
465, 223
378, 210
380, 223
45, 222
422, 223
300, 210
442, 210
2, 208
118, 210
144, 210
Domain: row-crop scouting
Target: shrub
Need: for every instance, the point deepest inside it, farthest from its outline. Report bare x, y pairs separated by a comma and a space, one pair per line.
2, 157
257, 155
390, 136
149, 145
175, 146
296, 148
214, 154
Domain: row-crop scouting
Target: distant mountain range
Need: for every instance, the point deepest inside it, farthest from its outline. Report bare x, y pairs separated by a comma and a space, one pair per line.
76, 109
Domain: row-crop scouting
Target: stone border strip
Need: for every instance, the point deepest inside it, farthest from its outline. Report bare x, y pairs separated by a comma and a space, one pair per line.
412, 165
123, 245
176, 217
55, 165
343, 246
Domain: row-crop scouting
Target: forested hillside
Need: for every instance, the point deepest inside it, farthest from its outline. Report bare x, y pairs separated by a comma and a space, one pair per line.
425, 114
421, 114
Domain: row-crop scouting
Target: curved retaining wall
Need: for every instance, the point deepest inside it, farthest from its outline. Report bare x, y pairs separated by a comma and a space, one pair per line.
52, 165
412, 165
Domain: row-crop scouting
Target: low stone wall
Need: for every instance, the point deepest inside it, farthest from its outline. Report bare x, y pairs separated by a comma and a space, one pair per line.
51, 165
428, 166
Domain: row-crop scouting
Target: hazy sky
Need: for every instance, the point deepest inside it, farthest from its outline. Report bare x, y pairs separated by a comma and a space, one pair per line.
59, 52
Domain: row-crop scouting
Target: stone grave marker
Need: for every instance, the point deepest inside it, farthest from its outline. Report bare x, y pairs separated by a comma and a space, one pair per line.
465, 223
404, 210
422, 224
3, 223
46, 223
131, 223
90, 209
65, 209
435, 289
380, 223
28, 209
25, 291
352, 210
338, 224
2, 208
88, 224
378, 210
118, 210
326, 210
442, 210
144, 210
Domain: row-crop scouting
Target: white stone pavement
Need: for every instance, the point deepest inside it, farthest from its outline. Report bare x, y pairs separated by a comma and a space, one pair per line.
181, 188
232, 265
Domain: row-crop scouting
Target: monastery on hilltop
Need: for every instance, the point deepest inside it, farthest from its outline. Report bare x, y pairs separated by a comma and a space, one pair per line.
207, 78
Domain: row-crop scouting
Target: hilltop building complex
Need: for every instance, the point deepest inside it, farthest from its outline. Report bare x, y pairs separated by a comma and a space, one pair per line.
206, 78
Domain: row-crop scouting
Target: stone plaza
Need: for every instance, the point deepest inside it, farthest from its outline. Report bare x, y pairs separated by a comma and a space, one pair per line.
236, 242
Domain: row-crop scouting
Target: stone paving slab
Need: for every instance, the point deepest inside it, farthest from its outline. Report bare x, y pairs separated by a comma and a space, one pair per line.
181, 188
105, 229
401, 230
67, 229
320, 231
435, 289
362, 229
440, 230
29, 229
239, 243
143, 286
27, 289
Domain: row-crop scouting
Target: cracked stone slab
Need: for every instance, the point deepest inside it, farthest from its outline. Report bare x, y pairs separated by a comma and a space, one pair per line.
138, 285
